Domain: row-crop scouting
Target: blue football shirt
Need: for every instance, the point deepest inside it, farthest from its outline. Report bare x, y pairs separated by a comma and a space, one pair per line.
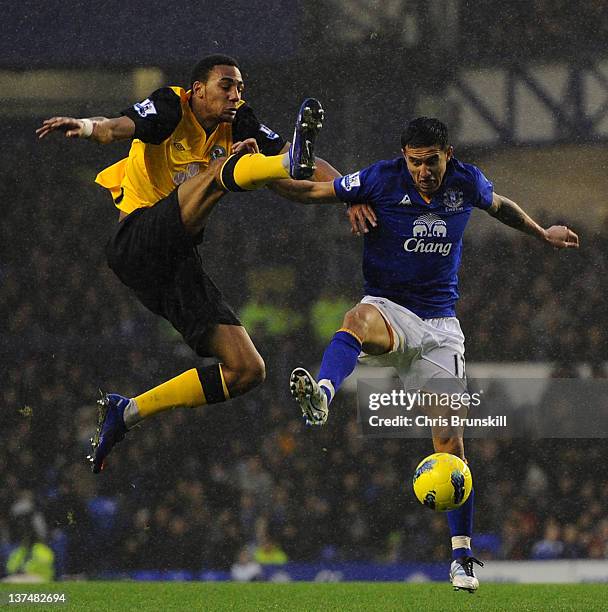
413, 256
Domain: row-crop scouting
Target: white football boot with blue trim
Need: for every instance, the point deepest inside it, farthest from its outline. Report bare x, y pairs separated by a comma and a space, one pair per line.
310, 397
462, 575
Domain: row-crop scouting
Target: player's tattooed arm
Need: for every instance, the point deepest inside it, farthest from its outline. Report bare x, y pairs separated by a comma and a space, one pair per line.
511, 214
99, 129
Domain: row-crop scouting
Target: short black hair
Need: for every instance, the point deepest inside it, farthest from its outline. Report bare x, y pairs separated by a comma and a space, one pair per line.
425, 132
201, 71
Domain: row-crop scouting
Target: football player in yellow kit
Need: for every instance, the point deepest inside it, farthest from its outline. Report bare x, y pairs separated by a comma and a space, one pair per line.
190, 147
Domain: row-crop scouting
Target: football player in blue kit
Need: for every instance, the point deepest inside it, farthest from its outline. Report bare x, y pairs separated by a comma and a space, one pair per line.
423, 200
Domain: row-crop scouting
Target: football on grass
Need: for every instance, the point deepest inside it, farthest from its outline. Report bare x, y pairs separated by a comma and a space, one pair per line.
442, 482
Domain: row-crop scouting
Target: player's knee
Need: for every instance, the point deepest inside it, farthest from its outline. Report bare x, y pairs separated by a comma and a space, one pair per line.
257, 372
250, 374
355, 321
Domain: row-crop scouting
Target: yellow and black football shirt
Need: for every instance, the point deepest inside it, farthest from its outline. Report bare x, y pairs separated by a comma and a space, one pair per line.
170, 146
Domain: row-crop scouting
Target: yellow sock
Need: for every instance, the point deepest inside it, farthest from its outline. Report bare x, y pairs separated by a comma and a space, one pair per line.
195, 387
183, 390
253, 171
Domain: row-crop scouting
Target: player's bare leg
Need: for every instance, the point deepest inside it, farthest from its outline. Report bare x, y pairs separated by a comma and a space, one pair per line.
460, 521
198, 196
242, 366
367, 323
363, 328
445, 443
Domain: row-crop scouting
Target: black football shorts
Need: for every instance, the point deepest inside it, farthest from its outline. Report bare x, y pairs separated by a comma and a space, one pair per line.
152, 254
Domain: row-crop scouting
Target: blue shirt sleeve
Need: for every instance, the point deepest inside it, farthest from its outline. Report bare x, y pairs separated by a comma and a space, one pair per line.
356, 188
484, 189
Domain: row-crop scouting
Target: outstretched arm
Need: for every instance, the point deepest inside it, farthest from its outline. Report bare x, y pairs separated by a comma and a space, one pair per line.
290, 189
509, 213
307, 192
322, 190
99, 129
359, 215
304, 191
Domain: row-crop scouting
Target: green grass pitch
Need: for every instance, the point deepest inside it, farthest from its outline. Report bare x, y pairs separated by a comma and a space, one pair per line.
307, 596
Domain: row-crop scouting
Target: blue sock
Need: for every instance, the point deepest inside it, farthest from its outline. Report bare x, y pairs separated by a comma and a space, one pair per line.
460, 522
339, 361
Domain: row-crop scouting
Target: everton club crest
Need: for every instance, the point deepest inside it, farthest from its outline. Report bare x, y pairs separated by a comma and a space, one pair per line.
453, 199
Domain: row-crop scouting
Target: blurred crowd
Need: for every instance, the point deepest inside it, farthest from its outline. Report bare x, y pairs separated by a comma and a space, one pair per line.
245, 480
